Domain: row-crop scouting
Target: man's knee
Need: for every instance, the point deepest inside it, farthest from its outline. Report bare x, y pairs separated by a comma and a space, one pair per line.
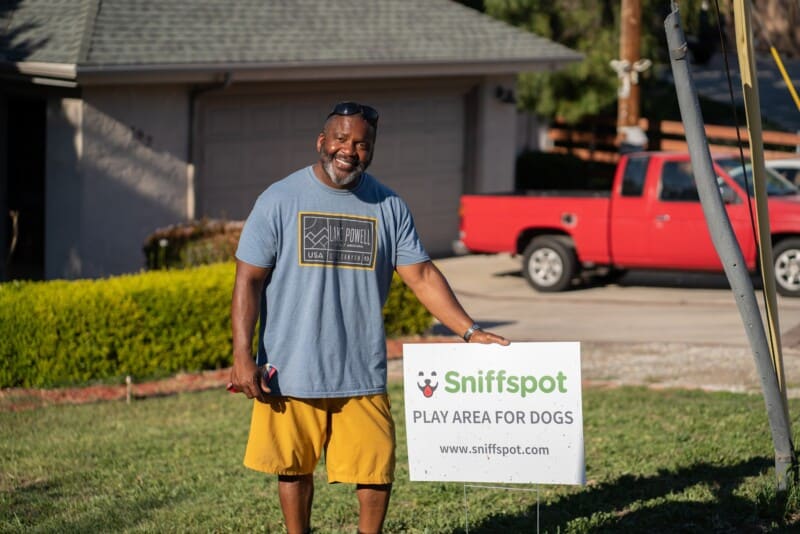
375, 487
293, 478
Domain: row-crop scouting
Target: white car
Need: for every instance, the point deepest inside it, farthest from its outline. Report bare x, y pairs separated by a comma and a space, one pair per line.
789, 168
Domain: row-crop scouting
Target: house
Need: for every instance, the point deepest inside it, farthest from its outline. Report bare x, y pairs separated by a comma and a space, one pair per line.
118, 117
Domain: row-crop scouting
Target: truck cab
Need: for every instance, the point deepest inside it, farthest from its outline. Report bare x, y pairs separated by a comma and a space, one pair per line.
653, 219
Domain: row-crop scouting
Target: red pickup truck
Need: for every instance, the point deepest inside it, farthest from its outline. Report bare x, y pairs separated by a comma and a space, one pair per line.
651, 219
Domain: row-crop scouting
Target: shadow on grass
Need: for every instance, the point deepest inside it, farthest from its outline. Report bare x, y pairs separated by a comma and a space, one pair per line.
654, 504
37, 503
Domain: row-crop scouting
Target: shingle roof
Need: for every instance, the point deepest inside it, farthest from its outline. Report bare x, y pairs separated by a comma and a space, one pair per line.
43, 30
114, 33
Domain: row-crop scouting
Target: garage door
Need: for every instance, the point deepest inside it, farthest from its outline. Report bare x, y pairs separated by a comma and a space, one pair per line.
248, 142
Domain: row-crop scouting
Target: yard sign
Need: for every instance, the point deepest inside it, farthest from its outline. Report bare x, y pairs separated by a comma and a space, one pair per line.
487, 413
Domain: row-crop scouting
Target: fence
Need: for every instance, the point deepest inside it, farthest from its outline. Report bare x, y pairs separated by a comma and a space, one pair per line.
598, 140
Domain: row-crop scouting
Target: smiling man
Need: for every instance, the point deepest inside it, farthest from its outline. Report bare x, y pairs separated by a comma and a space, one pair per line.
315, 260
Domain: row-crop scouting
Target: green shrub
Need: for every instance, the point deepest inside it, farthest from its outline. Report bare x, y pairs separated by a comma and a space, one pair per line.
146, 325
192, 243
403, 315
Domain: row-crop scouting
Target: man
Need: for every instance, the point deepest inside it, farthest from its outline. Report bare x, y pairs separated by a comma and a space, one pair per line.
316, 258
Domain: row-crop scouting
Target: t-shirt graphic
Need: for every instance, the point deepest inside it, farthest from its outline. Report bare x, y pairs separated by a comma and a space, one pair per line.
328, 239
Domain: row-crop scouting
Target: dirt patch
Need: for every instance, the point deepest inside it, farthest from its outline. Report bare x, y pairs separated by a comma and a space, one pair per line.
13, 399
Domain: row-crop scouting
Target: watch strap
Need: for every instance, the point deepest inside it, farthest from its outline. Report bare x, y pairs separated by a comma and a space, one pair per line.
471, 330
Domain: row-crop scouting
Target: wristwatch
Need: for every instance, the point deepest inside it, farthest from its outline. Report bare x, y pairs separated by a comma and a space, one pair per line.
471, 330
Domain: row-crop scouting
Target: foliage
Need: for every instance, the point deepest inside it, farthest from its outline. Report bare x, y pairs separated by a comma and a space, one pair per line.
192, 243
591, 27
145, 325
656, 461
403, 315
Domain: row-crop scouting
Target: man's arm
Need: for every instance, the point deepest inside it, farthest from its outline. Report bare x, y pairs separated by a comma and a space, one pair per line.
433, 291
244, 313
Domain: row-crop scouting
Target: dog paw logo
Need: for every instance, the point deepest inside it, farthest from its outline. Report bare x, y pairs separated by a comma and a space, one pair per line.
427, 384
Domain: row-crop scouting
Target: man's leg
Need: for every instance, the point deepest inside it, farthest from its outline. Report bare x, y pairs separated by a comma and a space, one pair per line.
373, 501
296, 494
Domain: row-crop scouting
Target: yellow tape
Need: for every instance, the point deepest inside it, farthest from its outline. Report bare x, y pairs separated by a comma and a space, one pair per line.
786, 78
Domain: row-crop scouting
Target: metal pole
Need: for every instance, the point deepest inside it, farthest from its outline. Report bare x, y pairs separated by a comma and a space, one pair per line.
726, 245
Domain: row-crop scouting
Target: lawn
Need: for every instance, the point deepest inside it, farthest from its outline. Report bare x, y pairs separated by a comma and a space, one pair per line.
656, 461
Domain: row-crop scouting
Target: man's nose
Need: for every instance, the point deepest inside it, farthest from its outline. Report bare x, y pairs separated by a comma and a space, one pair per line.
348, 149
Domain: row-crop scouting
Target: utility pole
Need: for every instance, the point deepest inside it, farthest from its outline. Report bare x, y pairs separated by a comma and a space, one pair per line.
628, 67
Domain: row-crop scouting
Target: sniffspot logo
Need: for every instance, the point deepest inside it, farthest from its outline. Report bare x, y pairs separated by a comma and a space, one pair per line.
427, 383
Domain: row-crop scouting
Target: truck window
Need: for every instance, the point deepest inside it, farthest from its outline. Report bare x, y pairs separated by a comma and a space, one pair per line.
633, 179
677, 182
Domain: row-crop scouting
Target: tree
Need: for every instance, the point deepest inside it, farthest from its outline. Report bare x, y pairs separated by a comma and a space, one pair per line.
588, 87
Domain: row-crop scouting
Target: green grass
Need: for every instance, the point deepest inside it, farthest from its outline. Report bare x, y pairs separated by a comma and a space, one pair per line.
656, 461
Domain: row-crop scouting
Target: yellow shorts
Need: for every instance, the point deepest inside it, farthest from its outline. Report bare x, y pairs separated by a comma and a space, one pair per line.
288, 436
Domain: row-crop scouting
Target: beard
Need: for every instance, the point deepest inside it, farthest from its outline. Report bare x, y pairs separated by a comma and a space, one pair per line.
330, 170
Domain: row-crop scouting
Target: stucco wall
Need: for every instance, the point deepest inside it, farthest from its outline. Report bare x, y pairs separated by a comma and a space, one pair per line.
63, 189
495, 143
116, 171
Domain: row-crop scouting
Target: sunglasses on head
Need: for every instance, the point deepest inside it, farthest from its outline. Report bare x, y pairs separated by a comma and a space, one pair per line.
370, 114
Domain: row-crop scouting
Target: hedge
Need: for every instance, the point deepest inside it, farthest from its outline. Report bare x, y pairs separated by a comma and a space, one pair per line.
192, 243
145, 325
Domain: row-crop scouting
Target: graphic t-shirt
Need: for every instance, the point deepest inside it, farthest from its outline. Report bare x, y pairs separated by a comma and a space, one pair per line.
332, 254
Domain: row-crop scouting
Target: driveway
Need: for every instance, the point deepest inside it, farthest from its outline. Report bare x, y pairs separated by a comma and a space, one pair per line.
661, 330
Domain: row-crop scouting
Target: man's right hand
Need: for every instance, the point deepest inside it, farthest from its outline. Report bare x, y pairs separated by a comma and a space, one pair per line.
247, 290
247, 378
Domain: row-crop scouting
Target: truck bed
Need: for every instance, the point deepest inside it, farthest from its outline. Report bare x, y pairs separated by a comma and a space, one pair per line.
501, 222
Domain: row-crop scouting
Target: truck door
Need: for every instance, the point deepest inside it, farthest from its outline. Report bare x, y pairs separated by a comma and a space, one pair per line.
678, 236
628, 243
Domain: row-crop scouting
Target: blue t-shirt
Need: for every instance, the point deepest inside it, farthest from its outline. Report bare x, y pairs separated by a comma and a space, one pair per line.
332, 254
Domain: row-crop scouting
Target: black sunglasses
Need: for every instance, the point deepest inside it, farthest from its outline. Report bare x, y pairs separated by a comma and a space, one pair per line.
370, 114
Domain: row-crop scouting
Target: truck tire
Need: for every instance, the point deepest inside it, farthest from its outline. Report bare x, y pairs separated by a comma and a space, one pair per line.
786, 261
549, 264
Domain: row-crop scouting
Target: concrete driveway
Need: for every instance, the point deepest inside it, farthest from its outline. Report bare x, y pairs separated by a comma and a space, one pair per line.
650, 329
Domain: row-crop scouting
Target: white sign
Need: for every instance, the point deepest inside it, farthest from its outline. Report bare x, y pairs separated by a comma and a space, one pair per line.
487, 413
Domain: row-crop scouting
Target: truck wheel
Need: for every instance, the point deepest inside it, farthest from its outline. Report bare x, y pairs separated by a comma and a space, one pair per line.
548, 264
786, 260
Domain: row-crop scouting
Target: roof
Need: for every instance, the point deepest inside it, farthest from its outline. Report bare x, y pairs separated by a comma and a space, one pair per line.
95, 36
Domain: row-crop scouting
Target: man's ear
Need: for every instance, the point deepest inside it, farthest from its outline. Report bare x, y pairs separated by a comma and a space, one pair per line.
320, 140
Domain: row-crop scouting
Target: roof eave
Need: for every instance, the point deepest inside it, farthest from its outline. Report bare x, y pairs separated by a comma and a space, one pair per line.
309, 71
41, 73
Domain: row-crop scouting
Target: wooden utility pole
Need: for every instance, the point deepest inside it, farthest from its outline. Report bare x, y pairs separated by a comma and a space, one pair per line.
785, 460
630, 41
628, 67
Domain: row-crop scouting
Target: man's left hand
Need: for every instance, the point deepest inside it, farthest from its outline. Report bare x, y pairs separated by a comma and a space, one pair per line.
485, 338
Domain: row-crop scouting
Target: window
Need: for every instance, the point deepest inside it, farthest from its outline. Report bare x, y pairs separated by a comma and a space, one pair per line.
633, 179
677, 182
